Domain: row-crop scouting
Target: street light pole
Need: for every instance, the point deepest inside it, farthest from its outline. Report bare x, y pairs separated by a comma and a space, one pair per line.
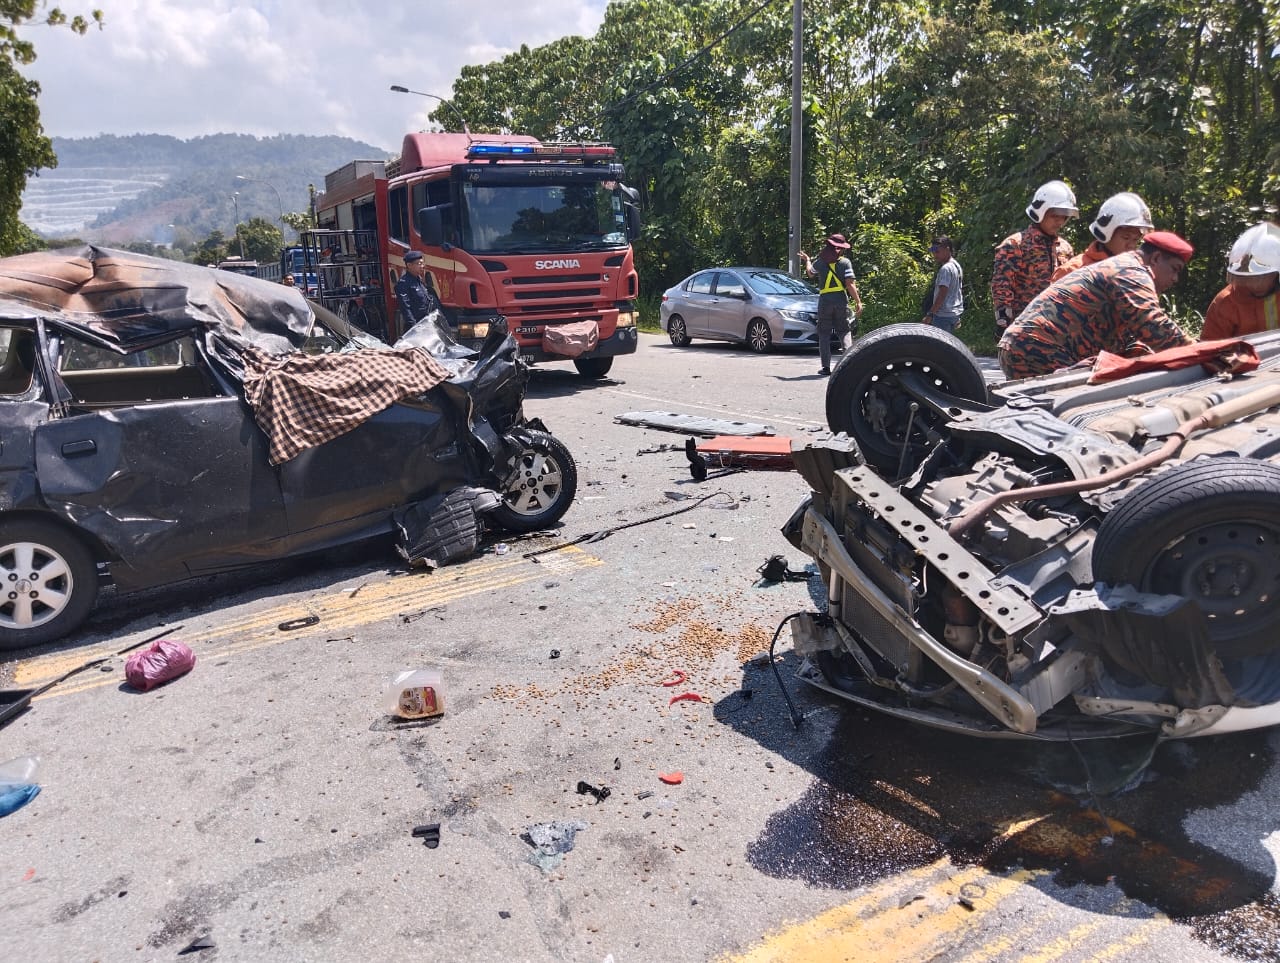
235, 199
279, 202
448, 103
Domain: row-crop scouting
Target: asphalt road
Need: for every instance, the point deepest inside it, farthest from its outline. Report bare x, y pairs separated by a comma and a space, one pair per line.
266, 801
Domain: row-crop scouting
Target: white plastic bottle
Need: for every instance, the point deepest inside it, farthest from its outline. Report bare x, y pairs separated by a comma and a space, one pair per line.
416, 694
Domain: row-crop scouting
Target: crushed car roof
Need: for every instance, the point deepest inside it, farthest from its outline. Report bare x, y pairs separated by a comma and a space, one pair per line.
131, 301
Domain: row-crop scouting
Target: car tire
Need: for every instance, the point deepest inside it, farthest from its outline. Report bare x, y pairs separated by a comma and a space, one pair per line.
593, 367
49, 580
862, 401
677, 332
1208, 530
540, 489
759, 337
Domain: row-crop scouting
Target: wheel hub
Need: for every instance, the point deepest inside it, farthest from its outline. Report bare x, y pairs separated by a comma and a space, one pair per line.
1232, 571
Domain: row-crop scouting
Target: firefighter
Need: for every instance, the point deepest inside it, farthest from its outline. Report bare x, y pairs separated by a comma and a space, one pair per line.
1122, 222
414, 293
1025, 261
1113, 305
1251, 300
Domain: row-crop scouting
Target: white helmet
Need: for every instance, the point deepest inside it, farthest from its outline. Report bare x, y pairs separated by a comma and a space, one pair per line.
1120, 210
1055, 195
1256, 252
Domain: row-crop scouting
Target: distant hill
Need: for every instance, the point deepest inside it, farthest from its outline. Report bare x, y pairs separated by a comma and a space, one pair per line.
152, 187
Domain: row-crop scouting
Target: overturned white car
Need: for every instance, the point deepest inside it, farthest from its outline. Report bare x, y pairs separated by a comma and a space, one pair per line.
1050, 558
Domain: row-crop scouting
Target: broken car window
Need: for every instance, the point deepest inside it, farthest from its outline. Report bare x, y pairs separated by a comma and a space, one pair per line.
100, 378
18, 351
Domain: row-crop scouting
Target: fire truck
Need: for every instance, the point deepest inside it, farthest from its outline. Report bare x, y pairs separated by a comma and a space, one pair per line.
539, 234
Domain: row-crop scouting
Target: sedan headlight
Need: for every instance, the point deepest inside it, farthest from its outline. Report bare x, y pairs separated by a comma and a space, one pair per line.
810, 316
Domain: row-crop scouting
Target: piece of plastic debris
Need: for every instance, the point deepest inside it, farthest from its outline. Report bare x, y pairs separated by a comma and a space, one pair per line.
685, 697
415, 694
688, 525
555, 653
501, 548
550, 841
162, 662
600, 792
644, 794
967, 904
429, 833
775, 569
676, 678
617, 763
18, 783
671, 778
504, 914
298, 623
198, 944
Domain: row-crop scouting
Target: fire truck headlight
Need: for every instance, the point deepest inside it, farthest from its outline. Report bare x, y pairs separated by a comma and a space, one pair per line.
478, 329
626, 319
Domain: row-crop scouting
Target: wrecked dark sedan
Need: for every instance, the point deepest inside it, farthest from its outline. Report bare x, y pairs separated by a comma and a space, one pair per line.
1086, 554
164, 420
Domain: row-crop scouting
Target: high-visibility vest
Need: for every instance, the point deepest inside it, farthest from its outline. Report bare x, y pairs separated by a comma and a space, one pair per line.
832, 284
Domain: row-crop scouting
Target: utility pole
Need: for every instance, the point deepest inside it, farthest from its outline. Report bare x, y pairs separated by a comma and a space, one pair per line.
797, 138
235, 199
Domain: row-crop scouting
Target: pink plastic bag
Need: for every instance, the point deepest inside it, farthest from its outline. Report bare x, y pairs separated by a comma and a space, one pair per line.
154, 666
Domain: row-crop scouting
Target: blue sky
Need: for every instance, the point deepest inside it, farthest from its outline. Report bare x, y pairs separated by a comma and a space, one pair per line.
279, 66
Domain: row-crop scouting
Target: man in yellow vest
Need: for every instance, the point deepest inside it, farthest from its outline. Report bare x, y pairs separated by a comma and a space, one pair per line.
1251, 301
838, 288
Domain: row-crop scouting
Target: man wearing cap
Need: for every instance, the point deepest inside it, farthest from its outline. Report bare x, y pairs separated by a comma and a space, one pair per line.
839, 287
414, 293
1025, 261
948, 287
1113, 306
1122, 222
1251, 300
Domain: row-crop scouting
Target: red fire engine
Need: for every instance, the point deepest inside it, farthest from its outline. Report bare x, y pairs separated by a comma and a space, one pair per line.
538, 233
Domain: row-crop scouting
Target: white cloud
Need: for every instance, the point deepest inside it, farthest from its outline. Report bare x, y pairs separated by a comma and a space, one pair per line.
280, 66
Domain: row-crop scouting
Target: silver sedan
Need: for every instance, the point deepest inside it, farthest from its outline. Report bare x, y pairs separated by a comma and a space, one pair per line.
759, 307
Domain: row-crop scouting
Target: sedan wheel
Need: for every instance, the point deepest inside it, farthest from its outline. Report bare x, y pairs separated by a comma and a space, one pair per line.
677, 332
759, 337
48, 583
541, 488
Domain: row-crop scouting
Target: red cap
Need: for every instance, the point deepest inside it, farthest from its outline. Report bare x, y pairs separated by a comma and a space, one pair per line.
1170, 243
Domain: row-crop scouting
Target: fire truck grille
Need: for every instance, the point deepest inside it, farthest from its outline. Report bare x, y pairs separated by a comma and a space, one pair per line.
558, 279
558, 306
557, 294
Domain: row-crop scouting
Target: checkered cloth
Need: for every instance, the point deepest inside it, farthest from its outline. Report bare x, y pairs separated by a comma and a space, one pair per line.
301, 401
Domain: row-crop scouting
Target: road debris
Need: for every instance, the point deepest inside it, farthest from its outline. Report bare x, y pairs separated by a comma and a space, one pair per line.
415, 694
198, 944
429, 833
18, 784
677, 677
686, 697
775, 569
692, 424
550, 841
671, 778
164, 661
600, 792
303, 622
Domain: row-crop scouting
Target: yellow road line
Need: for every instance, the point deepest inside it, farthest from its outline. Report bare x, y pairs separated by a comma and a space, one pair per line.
1139, 937
1056, 949
867, 930
338, 611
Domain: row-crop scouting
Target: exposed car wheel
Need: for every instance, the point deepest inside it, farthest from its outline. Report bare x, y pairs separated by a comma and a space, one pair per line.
866, 402
541, 488
593, 367
677, 331
759, 337
48, 583
1208, 530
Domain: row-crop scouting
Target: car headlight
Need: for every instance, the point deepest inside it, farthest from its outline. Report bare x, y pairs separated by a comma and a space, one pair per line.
476, 329
808, 316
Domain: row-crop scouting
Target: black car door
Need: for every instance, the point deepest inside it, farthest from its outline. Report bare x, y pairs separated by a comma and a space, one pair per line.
173, 486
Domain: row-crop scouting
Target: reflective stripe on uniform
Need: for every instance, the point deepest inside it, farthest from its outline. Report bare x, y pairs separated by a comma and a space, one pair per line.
832, 283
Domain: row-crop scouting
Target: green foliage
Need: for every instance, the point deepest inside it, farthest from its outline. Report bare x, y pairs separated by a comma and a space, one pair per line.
261, 239
24, 148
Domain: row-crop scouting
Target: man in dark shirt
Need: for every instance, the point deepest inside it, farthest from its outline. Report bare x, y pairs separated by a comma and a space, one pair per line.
414, 293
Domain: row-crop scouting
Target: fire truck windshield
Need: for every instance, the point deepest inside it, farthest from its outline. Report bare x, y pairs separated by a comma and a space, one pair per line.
532, 218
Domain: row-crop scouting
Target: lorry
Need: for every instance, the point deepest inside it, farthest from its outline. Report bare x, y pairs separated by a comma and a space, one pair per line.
538, 234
